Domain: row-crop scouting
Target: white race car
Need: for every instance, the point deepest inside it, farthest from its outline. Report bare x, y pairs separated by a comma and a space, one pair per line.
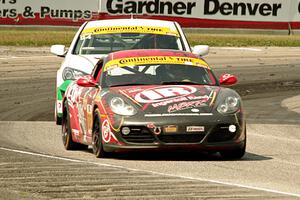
96, 39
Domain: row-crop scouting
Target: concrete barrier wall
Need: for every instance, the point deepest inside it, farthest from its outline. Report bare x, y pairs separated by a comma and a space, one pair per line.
246, 14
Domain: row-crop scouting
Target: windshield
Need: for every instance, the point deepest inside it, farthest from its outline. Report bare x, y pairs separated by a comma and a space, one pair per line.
157, 74
107, 43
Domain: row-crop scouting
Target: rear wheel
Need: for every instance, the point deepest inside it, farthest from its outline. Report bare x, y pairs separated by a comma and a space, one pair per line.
97, 137
68, 142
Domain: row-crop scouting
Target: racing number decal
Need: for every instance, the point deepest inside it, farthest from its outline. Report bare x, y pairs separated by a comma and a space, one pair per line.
106, 132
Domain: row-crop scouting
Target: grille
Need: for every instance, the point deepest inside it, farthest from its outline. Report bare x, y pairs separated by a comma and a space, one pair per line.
139, 134
181, 138
221, 134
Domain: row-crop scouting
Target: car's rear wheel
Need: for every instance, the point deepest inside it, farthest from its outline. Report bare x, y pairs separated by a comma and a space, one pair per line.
97, 137
68, 142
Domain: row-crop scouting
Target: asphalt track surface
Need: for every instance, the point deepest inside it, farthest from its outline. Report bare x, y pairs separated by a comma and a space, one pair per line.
34, 165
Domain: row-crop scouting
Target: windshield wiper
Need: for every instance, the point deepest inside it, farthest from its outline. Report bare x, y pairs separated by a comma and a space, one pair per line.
180, 83
128, 84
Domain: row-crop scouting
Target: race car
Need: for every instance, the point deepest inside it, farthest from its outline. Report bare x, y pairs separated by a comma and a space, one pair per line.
95, 39
153, 99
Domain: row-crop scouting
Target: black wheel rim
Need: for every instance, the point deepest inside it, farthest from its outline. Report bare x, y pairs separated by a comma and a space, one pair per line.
65, 130
96, 137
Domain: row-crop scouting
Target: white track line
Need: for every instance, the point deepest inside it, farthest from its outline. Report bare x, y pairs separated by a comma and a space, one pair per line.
152, 172
25, 57
239, 48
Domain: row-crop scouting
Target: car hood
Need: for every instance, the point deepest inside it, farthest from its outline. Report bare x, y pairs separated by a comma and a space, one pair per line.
168, 99
84, 63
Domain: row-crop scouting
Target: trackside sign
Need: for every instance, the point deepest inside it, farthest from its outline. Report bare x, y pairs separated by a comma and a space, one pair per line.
260, 14
254, 10
47, 12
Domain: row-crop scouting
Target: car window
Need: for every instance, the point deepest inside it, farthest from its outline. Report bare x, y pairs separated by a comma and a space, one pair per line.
158, 75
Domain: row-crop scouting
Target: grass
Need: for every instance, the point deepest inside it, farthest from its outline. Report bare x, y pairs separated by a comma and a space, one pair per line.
238, 40
35, 37
48, 36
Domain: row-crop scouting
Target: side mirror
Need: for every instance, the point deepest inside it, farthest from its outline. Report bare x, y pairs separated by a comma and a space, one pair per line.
228, 79
200, 50
87, 81
59, 50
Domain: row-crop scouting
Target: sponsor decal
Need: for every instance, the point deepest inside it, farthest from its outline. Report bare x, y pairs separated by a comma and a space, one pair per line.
213, 7
150, 7
180, 97
129, 29
195, 129
170, 129
164, 93
188, 105
195, 110
194, 102
154, 60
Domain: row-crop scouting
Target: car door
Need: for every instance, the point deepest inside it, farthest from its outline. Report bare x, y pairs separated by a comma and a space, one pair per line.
86, 107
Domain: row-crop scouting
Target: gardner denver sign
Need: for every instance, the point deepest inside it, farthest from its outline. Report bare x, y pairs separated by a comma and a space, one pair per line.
255, 14
210, 9
150, 7
261, 14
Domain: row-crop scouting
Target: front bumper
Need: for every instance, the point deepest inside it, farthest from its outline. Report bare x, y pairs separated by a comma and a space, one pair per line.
216, 135
60, 91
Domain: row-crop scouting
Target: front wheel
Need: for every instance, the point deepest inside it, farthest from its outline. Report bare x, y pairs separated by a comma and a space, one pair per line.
97, 137
236, 153
66, 133
233, 154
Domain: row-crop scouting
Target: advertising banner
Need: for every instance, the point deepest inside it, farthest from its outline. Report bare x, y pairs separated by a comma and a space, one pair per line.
247, 10
249, 14
47, 12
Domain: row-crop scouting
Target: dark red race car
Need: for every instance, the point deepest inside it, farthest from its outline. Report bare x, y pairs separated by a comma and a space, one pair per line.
154, 99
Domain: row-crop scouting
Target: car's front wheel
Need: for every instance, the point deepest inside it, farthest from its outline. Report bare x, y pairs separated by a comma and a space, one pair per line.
234, 153
66, 133
97, 137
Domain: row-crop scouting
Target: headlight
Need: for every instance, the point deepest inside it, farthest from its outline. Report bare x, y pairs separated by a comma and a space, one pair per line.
120, 107
229, 106
72, 74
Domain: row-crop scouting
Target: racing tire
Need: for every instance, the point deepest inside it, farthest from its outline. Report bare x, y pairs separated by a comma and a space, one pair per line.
97, 137
234, 154
66, 132
58, 121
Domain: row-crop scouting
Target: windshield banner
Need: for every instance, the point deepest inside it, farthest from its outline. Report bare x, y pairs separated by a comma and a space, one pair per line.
154, 60
129, 29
